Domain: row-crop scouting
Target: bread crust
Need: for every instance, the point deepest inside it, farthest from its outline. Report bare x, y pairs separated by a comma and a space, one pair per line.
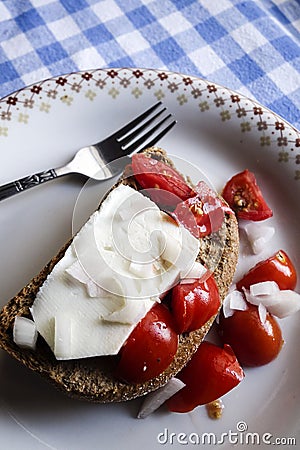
92, 378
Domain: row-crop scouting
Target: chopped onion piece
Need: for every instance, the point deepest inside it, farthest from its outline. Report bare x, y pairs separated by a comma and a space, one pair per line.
188, 280
132, 313
288, 302
93, 289
258, 236
237, 301
266, 300
172, 249
141, 270
25, 332
227, 311
234, 300
251, 298
155, 399
264, 288
197, 271
262, 311
281, 303
259, 244
77, 272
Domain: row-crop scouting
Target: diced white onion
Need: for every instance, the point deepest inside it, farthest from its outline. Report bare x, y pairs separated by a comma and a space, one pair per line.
259, 244
77, 272
188, 280
264, 288
266, 300
25, 332
155, 399
288, 302
227, 311
237, 301
172, 249
234, 300
132, 312
197, 271
251, 298
258, 236
280, 303
262, 311
141, 270
93, 289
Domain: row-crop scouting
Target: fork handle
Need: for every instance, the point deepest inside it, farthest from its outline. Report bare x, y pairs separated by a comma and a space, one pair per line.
9, 189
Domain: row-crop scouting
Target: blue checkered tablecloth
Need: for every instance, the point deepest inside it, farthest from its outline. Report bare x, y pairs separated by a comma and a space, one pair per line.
250, 46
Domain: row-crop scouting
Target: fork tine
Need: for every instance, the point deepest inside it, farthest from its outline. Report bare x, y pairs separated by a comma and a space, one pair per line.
159, 136
143, 139
129, 126
137, 130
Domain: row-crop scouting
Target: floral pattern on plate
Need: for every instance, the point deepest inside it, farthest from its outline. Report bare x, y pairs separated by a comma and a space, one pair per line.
272, 130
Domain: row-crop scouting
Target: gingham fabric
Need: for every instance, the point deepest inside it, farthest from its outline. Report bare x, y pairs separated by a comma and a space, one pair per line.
252, 47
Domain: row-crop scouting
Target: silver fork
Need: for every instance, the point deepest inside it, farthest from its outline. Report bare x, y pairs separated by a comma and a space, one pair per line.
106, 158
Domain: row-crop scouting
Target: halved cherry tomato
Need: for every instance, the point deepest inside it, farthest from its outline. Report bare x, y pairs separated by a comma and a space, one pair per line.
167, 187
150, 348
203, 213
254, 343
244, 196
278, 268
211, 373
194, 304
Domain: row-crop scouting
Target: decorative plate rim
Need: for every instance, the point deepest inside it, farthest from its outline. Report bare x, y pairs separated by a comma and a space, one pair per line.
272, 129
216, 109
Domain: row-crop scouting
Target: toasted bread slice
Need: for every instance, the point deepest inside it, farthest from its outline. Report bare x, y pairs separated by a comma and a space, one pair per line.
92, 378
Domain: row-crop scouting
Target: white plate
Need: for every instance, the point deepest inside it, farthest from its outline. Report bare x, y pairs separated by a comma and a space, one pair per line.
219, 131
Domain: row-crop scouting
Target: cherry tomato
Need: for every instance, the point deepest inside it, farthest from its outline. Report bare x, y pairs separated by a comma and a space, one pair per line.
150, 348
244, 196
165, 185
194, 304
203, 213
211, 373
253, 342
278, 268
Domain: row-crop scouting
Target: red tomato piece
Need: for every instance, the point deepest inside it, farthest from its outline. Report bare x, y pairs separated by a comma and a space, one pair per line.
278, 268
150, 348
203, 213
194, 304
211, 373
253, 342
244, 196
206, 192
164, 184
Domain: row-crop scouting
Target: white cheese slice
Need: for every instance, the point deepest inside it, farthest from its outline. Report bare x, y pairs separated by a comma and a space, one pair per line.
62, 335
118, 265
